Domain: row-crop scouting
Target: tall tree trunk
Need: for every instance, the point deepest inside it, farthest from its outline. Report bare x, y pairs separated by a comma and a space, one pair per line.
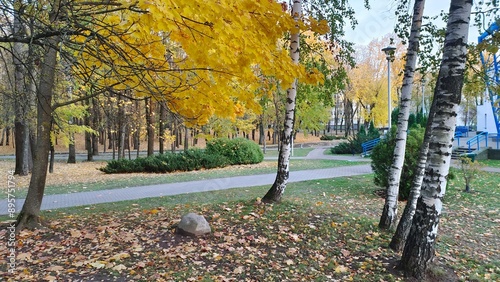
96, 127
119, 126
30, 213
51, 158
137, 136
103, 139
21, 102
7, 136
403, 229
390, 210
399, 238
163, 117
88, 136
150, 126
278, 188
3, 136
72, 150
262, 134
186, 138
420, 245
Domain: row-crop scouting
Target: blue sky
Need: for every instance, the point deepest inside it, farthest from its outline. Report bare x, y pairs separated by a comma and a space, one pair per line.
380, 19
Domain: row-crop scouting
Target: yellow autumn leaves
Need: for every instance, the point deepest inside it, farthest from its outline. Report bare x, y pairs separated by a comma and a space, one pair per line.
203, 57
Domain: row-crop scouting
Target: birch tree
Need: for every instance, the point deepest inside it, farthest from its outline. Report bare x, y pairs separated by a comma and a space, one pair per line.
278, 188
389, 213
419, 249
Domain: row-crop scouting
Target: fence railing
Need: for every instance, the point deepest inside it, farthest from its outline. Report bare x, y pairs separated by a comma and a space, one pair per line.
457, 137
369, 145
475, 142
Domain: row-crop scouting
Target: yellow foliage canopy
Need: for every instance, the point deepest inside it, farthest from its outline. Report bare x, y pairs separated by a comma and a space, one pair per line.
203, 57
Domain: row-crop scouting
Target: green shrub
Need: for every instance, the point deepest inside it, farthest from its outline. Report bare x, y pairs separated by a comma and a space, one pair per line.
120, 166
237, 151
214, 161
353, 144
327, 137
221, 153
382, 157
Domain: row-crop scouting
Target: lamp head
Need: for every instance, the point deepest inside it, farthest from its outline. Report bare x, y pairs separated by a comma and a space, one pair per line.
389, 51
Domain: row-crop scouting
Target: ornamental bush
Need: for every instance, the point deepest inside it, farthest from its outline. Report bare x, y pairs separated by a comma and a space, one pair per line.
382, 157
237, 151
219, 153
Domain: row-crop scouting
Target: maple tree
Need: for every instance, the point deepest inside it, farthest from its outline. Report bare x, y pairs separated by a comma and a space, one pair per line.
117, 46
368, 81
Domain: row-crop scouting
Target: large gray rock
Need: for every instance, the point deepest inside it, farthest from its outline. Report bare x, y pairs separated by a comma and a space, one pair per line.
194, 225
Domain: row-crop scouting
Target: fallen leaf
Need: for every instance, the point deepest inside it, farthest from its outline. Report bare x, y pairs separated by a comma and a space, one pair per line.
75, 233
341, 269
97, 264
119, 256
55, 268
119, 267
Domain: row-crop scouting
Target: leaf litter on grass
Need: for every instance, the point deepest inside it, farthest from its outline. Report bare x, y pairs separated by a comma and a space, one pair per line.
324, 231
249, 243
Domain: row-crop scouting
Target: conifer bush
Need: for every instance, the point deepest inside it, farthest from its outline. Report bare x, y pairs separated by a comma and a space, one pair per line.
382, 157
219, 153
237, 151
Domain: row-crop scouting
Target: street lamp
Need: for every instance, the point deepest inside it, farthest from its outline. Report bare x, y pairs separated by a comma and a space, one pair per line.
389, 52
423, 101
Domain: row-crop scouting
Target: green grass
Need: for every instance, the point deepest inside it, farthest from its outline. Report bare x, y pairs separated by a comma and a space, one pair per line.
491, 163
297, 152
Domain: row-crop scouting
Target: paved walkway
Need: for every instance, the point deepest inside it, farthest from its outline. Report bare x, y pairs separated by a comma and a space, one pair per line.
134, 193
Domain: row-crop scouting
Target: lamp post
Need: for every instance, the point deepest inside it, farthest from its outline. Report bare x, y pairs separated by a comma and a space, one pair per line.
423, 101
389, 52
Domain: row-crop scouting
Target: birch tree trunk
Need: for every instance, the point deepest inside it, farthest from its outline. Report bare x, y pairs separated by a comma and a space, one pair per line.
420, 245
278, 188
399, 238
30, 213
389, 213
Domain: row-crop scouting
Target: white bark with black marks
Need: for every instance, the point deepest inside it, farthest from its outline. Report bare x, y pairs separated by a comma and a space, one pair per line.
419, 247
390, 211
278, 188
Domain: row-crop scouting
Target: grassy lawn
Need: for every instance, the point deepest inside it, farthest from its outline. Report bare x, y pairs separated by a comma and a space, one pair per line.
324, 230
490, 163
297, 152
